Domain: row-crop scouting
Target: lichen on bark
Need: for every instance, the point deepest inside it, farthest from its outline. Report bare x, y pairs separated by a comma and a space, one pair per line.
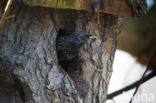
116, 7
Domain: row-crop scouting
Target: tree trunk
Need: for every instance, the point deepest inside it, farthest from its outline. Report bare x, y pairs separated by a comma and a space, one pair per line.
29, 68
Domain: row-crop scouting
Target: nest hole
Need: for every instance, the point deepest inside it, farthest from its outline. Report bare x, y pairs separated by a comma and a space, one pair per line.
74, 69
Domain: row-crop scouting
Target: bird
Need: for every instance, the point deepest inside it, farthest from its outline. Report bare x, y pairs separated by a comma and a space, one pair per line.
68, 46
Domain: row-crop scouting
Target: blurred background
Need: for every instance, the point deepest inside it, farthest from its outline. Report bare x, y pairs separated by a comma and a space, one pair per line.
136, 46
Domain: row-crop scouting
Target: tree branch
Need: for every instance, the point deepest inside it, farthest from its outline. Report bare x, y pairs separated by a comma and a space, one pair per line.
133, 85
148, 67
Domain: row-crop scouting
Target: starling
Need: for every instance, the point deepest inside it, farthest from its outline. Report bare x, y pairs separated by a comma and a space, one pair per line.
68, 46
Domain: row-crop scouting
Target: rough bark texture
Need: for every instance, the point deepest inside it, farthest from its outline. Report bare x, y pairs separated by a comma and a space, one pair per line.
29, 69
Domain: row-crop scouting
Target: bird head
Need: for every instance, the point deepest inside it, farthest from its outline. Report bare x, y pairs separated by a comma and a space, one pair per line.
82, 36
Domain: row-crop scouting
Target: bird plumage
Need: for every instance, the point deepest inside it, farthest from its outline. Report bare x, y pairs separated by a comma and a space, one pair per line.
68, 46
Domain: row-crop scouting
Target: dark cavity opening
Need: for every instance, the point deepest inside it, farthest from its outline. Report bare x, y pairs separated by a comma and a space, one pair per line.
74, 69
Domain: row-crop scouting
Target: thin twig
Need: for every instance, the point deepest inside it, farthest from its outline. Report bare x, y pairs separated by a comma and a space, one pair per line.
133, 85
137, 83
148, 67
131, 100
5, 14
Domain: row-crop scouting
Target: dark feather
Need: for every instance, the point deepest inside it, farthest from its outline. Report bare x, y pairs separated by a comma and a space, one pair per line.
68, 46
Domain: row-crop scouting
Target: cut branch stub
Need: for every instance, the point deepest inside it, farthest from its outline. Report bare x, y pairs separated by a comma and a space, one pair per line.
116, 7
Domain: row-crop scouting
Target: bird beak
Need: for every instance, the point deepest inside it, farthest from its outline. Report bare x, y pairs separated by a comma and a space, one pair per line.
93, 37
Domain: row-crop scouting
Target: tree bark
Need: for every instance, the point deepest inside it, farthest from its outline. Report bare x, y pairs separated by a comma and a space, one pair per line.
29, 68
